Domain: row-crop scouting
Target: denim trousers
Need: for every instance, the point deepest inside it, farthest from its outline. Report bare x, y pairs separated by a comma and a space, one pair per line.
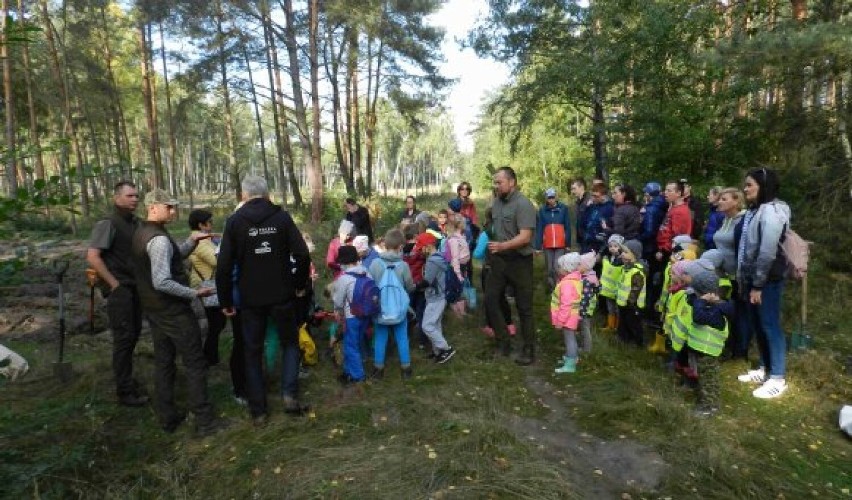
352, 338
765, 322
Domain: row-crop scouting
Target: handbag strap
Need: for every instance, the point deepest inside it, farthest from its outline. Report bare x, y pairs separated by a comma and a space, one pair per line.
212, 273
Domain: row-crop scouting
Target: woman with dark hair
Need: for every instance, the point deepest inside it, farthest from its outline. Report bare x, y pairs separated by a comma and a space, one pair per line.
626, 220
203, 262
760, 272
410, 212
468, 208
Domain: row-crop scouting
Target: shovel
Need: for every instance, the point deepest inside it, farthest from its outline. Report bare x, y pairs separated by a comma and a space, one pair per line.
801, 339
92, 280
61, 369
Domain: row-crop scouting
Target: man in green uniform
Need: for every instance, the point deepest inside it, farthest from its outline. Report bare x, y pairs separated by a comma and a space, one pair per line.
109, 255
514, 222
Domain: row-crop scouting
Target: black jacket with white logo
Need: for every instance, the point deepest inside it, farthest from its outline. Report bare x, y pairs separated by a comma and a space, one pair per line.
264, 254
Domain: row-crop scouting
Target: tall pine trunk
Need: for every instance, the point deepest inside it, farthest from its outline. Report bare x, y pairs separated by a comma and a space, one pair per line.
34, 138
233, 169
315, 173
150, 107
173, 187
300, 111
8, 98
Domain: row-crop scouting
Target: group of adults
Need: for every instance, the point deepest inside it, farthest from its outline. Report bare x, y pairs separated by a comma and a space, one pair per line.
261, 272
744, 226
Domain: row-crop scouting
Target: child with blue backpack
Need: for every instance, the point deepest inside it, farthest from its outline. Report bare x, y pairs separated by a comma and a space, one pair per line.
435, 284
348, 298
394, 288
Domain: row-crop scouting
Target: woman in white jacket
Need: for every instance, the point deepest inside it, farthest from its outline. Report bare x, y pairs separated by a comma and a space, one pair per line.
761, 267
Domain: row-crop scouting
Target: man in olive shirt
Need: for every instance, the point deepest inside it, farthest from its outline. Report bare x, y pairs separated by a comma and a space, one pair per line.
109, 255
514, 220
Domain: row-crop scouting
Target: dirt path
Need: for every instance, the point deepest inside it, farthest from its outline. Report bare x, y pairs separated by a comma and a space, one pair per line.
599, 468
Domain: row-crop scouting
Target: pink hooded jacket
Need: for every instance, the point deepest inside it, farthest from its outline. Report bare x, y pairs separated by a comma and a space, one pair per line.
565, 301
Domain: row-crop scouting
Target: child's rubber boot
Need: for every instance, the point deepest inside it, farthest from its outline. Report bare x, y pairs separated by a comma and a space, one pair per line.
561, 362
610, 322
659, 344
615, 322
569, 366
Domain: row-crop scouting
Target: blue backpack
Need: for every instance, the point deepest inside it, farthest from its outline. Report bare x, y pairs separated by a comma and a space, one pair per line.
453, 288
393, 298
365, 297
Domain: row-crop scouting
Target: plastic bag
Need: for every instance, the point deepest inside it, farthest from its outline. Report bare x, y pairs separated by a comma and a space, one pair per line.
469, 294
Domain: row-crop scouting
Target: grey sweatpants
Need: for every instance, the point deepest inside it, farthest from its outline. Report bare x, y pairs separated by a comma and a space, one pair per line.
432, 316
570, 337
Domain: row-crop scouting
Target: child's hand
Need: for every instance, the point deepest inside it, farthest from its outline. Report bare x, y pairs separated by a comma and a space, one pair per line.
711, 297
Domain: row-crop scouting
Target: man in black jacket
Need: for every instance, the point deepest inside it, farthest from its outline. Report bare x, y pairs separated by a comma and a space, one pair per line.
358, 215
264, 248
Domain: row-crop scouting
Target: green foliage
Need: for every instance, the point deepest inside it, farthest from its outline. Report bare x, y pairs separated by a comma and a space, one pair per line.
688, 89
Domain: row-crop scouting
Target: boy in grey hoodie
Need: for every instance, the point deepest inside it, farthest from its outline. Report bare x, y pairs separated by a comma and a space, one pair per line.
434, 283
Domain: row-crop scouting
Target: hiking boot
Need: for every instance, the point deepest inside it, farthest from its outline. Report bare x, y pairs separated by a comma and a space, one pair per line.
293, 406
705, 411
211, 427
133, 400
526, 358
407, 373
445, 355
377, 373
171, 426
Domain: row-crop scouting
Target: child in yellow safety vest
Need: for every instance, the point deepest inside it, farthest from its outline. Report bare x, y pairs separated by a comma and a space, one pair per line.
610, 277
631, 294
700, 328
683, 249
565, 307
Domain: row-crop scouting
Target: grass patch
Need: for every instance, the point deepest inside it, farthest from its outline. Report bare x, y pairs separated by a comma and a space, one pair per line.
451, 431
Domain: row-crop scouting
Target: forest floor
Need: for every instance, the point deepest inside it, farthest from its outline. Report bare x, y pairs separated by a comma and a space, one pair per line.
479, 426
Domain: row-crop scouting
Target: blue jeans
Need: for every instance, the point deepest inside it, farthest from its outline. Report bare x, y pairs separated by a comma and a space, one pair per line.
254, 335
352, 364
380, 342
765, 322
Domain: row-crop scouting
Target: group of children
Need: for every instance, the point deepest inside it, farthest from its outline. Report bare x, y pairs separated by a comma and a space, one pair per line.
431, 264
694, 308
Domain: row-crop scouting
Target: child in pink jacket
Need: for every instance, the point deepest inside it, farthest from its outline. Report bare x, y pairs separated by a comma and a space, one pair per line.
565, 307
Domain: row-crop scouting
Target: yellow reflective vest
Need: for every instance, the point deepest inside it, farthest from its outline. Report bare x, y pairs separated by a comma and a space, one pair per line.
625, 284
610, 277
671, 308
702, 338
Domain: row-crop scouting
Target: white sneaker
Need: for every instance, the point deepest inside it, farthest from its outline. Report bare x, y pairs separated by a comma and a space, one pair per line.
772, 388
753, 376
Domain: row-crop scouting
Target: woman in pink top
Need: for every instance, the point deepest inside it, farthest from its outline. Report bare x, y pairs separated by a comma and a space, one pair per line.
344, 237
